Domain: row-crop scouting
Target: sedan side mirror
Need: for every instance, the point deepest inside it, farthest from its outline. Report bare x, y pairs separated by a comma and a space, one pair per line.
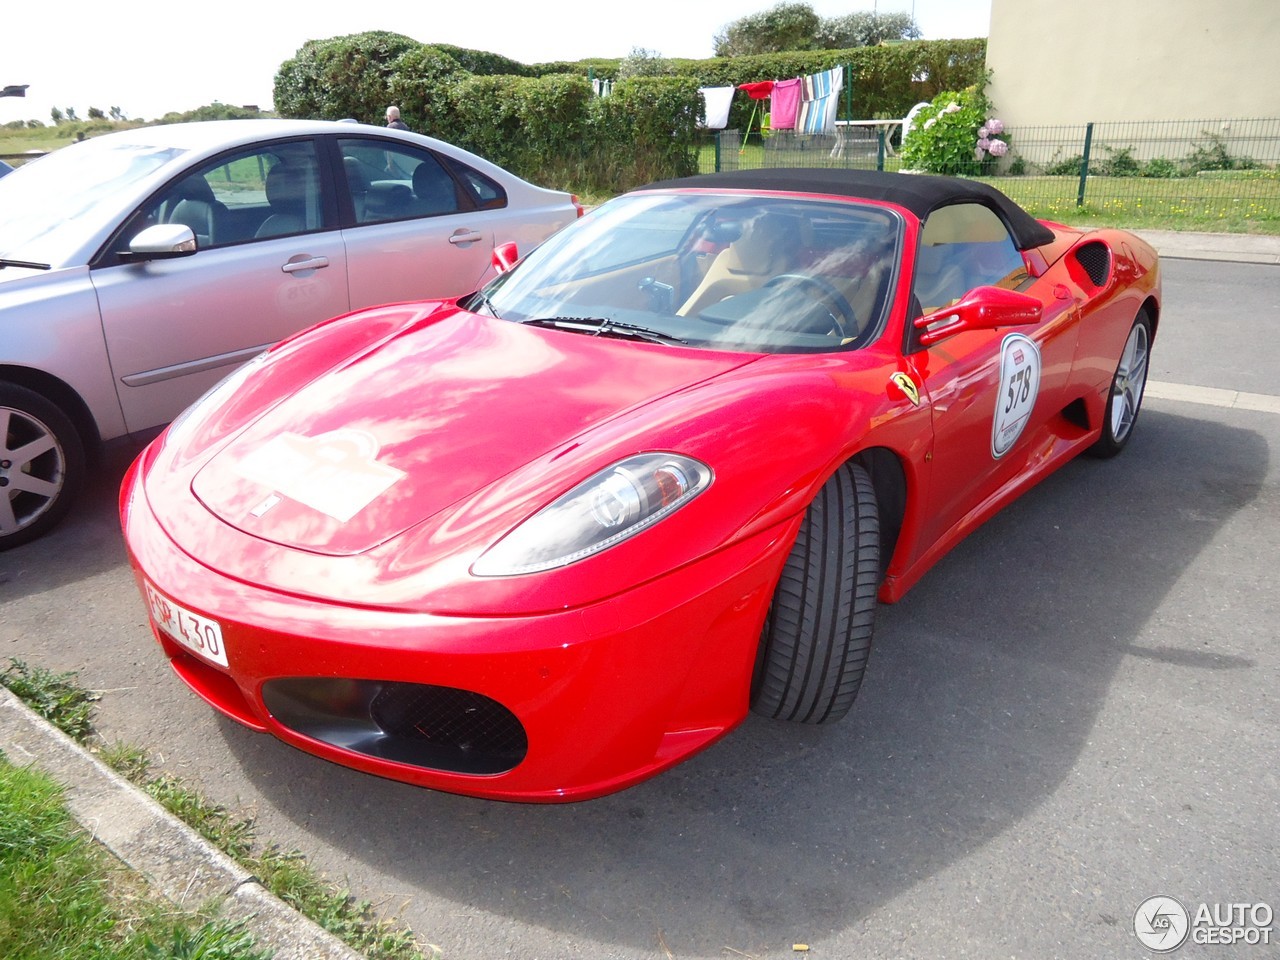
982, 308
164, 241
505, 256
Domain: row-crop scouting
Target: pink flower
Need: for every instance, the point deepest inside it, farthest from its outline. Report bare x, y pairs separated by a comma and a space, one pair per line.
930, 122
998, 148
983, 133
978, 153
984, 143
952, 107
995, 126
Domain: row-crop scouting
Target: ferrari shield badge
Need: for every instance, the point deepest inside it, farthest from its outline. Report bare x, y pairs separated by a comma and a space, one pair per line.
908, 386
1019, 387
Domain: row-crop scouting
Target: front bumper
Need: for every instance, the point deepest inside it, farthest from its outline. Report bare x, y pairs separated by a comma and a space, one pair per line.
602, 696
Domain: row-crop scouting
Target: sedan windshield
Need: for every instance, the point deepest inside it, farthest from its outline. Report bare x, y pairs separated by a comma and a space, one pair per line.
43, 206
769, 274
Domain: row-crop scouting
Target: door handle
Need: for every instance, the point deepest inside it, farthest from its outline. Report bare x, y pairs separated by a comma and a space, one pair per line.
466, 236
311, 263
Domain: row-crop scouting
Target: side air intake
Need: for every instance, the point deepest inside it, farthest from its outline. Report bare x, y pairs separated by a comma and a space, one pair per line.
1095, 258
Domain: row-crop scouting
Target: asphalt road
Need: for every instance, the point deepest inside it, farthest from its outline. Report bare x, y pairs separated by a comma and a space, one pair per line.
1076, 710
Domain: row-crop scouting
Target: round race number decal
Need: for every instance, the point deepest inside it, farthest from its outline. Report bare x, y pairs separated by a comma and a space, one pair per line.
1019, 386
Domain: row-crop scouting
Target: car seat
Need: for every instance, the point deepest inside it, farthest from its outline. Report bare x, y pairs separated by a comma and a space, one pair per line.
193, 204
434, 190
357, 186
286, 193
768, 246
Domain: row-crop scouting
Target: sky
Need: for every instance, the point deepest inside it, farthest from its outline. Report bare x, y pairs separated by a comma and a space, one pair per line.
150, 58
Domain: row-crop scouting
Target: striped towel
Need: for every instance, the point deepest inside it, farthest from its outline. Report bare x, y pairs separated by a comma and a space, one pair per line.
819, 101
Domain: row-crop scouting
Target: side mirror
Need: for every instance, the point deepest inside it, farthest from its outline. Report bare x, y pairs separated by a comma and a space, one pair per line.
505, 256
982, 308
164, 241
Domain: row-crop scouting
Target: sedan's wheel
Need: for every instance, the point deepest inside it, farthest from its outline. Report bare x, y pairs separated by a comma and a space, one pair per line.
1127, 388
41, 465
817, 636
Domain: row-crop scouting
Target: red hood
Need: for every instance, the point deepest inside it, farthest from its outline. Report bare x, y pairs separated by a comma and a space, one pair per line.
431, 417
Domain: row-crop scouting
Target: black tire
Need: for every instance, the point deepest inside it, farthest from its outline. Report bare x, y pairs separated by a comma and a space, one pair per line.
817, 635
42, 465
1124, 403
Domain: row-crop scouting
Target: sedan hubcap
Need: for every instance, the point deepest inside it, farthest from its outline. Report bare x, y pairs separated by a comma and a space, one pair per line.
32, 470
1131, 380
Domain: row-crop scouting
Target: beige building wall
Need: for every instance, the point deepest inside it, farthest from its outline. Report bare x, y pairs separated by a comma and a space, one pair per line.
1059, 62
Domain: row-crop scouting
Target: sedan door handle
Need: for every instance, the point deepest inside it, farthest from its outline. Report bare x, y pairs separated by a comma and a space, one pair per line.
311, 263
466, 236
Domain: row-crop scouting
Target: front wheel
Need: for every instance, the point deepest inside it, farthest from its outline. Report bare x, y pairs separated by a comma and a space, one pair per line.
817, 635
1127, 388
42, 465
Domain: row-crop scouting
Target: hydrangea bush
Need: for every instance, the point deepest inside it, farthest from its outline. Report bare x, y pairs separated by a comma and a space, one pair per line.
955, 134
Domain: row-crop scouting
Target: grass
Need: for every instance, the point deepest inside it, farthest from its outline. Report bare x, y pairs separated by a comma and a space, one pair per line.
14, 142
61, 701
61, 895
1246, 201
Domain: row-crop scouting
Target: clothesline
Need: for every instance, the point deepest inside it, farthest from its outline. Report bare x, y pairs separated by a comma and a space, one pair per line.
807, 104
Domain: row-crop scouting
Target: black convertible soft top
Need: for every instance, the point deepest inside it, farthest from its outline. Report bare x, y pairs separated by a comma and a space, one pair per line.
918, 193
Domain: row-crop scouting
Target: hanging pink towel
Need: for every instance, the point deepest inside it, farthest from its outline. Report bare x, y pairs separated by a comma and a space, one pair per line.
786, 104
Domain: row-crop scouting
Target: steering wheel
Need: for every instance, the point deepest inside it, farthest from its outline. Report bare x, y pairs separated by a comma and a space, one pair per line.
838, 307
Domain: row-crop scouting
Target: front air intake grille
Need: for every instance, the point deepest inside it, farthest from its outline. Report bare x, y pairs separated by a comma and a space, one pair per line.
469, 723
1096, 260
439, 728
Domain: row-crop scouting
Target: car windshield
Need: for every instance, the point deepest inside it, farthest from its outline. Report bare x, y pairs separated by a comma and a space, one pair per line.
43, 206
766, 273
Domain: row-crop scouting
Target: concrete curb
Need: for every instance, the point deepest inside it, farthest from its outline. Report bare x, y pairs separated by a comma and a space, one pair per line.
179, 864
1233, 247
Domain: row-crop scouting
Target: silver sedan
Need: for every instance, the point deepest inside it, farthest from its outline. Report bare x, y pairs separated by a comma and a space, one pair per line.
139, 268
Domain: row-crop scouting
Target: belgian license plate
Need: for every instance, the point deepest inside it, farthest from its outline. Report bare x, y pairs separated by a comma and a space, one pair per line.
198, 634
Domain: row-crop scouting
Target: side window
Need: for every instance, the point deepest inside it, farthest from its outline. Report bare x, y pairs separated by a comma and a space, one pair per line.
963, 246
487, 194
394, 181
259, 193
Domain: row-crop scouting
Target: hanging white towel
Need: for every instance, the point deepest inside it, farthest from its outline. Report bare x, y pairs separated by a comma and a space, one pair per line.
718, 100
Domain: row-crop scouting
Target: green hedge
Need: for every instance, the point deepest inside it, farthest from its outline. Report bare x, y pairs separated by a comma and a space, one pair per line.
341, 77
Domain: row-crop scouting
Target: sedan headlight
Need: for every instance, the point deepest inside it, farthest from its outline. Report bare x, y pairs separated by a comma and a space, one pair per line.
617, 503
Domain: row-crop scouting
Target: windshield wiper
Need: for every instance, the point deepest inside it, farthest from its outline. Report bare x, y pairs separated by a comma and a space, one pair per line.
30, 265
602, 327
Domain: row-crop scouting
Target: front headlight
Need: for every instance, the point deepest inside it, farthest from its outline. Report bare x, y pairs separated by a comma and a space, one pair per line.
617, 503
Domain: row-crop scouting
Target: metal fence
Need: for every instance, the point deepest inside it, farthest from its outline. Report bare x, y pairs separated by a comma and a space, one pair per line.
1214, 174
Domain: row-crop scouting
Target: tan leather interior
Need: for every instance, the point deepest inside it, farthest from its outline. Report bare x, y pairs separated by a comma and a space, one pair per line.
763, 251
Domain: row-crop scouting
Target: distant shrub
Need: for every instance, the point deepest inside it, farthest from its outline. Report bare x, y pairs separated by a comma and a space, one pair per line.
1070, 167
211, 111
955, 135
1161, 168
344, 77
1119, 162
1214, 156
